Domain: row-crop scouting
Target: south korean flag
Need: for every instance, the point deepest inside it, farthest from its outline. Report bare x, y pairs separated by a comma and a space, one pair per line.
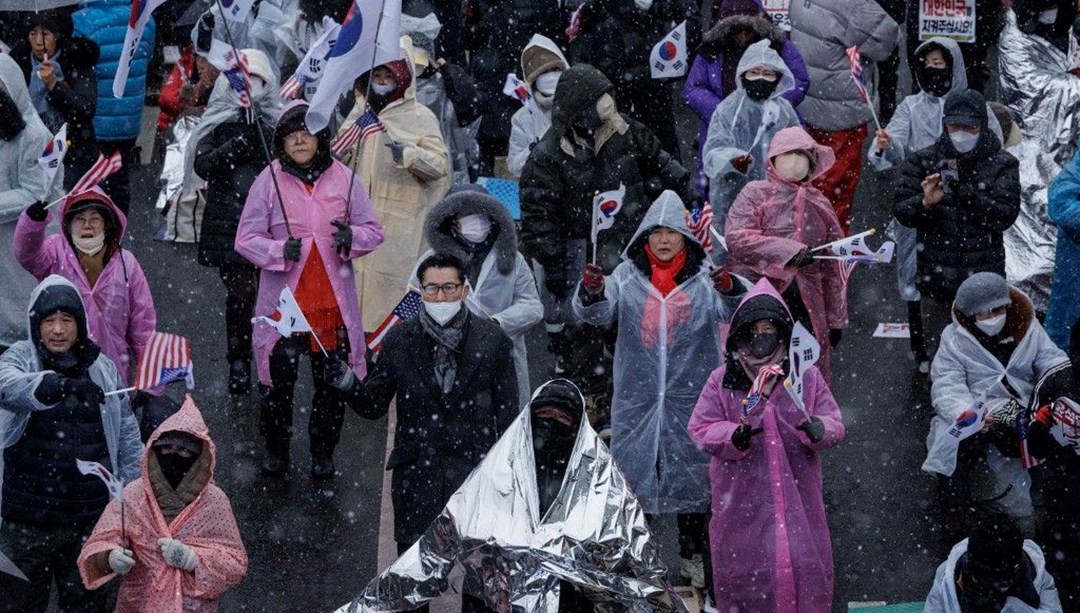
668, 57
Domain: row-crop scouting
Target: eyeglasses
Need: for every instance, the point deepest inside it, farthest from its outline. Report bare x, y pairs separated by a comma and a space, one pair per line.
447, 288
299, 136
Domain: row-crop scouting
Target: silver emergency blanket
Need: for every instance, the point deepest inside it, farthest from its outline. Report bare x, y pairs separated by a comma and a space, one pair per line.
172, 171
593, 536
1036, 84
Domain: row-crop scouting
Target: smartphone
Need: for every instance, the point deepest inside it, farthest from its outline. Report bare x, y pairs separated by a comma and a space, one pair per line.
949, 175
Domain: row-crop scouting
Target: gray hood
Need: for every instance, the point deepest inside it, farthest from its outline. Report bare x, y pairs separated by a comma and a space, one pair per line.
959, 70
761, 54
439, 227
668, 211
11, 79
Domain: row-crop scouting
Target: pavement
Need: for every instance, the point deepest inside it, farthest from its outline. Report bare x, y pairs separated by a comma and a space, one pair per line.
314, 546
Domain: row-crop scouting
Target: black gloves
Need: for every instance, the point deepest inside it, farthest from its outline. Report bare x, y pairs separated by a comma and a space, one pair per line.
802, 258
55, 388
338, 374
740, 438
342, 238
555, 281
835, 335
291, 251
37, 211
814, 429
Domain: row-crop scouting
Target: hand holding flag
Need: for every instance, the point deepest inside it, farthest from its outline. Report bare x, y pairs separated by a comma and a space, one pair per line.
102, 168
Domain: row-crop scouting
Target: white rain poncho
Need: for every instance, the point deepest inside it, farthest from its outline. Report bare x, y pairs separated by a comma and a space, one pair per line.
20, 375
514, 553
22, 183
741, 126
943, 598
1036, 84
665, 351
963, 370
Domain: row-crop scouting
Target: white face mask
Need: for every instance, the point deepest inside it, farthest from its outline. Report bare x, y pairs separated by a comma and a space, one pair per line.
792, 166
1048, 17
442, 312
547, 82
89, 246
383, 89
258, 86
992, 326
643, 5
474, 228
963, 141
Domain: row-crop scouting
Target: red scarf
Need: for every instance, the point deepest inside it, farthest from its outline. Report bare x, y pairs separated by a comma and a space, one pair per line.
664, 273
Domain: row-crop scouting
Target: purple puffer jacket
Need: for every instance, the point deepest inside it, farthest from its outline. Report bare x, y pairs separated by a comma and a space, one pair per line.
120, 311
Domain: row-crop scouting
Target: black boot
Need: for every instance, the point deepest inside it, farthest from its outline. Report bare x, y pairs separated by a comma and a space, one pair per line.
322, 467
276, 462
240, 377
918, 337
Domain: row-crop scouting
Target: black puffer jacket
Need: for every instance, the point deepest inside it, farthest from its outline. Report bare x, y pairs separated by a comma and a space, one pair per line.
496, 33
560, 178
74, 98
963, 234
229, 158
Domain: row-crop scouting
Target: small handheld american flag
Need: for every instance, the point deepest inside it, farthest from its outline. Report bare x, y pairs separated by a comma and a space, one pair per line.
855, 59
291, 88
103, 167
845, 267
408, 308
698, 221
239, 78
364, 126
167, 358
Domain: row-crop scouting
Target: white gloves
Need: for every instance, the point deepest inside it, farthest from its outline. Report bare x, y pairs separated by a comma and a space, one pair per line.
121, 560
177, 554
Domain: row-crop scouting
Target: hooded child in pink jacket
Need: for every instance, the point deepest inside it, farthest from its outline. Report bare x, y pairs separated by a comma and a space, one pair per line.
180, 548
769, 537
774, 223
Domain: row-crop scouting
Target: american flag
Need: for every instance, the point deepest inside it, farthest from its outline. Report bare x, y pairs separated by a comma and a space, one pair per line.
699, 221
857, 73
238, 77
364, 126
408, 308
753, 397
103, 167
845, 267
167, 358
291, 88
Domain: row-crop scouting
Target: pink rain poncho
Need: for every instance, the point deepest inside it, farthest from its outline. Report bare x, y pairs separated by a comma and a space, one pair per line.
206, 524
770, 541
261, 236
772, 220
119, 308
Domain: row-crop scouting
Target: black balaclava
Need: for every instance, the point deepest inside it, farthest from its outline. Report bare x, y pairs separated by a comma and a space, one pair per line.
174, 467
554, 441
11, 120
587, 122
994, 566
936, 81
759, 89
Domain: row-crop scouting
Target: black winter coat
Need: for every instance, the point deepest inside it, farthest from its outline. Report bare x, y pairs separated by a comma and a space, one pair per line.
963, 234
439, 439
557, 191
496, 33
75, 98
229, 158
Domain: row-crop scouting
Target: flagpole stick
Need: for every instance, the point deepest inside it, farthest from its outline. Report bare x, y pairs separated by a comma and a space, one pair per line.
869, 105
120, 391
869, 232
258, 124
595, 233
367, 96
318, 342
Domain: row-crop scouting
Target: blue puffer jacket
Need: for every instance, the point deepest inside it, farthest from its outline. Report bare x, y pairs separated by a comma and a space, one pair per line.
105, 22
1064, 205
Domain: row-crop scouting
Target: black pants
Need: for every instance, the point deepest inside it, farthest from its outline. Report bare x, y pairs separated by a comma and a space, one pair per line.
44, 553
241, 288
327, 404
118, 185
693, 539
469, 604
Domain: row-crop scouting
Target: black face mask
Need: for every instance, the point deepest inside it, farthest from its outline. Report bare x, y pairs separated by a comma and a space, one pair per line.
936, 81
174, 466
587, 122
552, 437
762, 345
11, 121
760, 89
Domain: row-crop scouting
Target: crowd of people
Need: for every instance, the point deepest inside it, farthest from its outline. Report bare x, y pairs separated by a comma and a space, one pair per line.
690, 295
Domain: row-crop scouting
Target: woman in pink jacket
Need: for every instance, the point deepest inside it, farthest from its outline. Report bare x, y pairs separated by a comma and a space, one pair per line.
119, 308
305, 241
176, 545
769, 538
774, 223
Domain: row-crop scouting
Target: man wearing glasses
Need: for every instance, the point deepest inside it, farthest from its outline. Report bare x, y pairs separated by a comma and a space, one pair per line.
456, 388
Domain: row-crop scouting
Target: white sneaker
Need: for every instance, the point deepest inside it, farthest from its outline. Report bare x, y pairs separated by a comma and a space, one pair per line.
693, 568
709, 606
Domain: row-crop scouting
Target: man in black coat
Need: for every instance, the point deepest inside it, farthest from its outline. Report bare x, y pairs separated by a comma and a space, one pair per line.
590, 148
960, 194
456, 388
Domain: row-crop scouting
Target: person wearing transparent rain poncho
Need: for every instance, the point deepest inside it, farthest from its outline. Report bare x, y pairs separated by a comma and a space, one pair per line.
669, 310
546, 523
743, 126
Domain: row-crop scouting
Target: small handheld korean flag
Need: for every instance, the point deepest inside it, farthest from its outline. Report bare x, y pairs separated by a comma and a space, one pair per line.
803, 352
944, 439
668, 57
518, 90
112, 482
52, 159
605, 206
287, 317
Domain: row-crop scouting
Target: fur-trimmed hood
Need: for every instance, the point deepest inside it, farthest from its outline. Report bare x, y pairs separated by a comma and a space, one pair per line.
716, 39
439, 227
1018, 317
